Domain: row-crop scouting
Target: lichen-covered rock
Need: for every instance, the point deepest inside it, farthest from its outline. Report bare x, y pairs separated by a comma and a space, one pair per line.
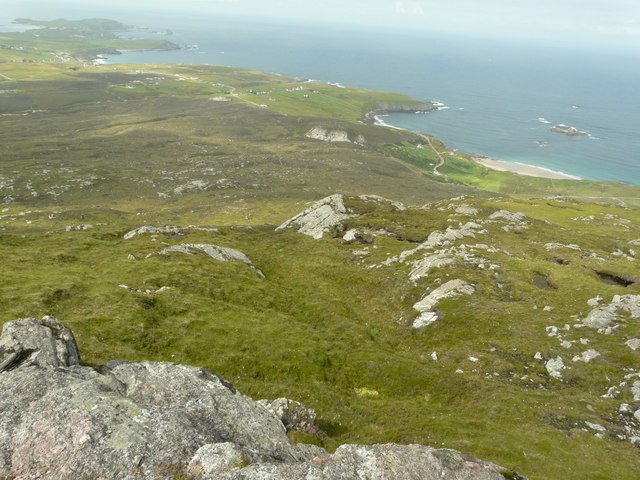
216, 458
222, 254
32, 341
293, 415
322, 217
378, 462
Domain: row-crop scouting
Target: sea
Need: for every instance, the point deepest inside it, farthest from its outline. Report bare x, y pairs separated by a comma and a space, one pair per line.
497, 98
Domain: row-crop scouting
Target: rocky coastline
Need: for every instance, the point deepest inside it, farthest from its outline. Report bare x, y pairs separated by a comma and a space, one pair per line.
385, 108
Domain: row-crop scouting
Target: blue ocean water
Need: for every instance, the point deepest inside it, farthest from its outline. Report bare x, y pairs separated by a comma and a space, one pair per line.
499, 95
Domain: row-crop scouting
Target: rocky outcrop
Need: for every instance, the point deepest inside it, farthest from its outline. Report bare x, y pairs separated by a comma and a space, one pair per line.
555, 366
158, 420
322, 217
222, 254
454, 288
37, 342
167, 230
378, 199
604, 317
62, 420
384, 108
390, 461
332, 136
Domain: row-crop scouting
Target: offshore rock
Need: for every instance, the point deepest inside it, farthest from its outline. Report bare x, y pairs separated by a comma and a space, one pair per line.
322, 217
159, 420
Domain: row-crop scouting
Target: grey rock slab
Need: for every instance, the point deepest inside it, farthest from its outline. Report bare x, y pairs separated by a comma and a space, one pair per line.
378, 462
169, 229
423, 266
32, 341
216, 458
322, 217
507, 215
605, 316
633, 344
134, 418
555, 366
453, 288
378, 199
222, 254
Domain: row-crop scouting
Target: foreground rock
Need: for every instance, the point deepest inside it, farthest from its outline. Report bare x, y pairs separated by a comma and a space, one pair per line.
322, 217
158, 420
390, 461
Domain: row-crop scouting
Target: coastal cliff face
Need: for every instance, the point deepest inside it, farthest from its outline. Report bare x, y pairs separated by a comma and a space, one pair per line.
158, 420
383, 108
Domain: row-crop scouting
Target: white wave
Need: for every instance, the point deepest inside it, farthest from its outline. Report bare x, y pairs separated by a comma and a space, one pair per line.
543, 120
336, 84
557, 172
382, 123
440, 105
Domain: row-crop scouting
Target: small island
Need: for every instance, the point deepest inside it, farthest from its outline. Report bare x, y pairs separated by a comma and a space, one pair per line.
567, 130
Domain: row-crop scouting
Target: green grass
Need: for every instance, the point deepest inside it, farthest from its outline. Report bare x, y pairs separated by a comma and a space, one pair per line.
323, 328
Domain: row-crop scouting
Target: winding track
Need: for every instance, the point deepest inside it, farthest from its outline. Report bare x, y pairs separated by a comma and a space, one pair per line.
440, 157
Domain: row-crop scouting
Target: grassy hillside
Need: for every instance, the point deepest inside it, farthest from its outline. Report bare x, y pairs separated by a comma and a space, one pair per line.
88, 153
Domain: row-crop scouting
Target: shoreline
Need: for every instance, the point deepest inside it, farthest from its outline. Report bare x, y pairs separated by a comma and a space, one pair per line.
522, 168
501, 165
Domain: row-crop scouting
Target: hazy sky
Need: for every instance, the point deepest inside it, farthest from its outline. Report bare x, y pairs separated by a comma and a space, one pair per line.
589, 20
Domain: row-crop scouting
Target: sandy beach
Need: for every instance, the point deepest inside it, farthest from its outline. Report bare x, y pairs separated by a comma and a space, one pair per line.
522, 169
